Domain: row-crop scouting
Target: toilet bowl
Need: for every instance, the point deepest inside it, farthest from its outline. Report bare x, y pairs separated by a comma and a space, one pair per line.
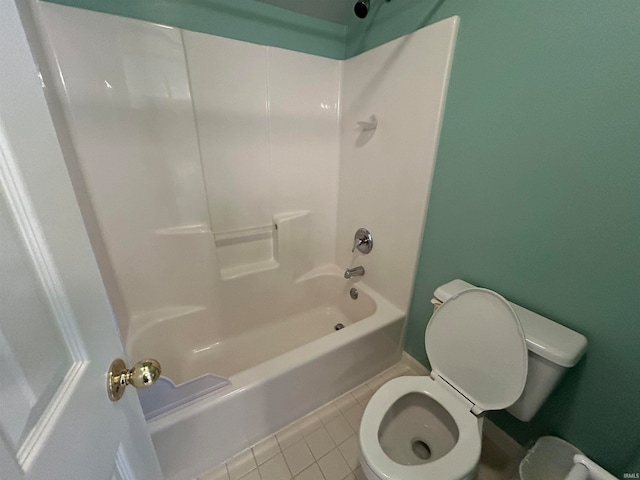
415, 432
431, 427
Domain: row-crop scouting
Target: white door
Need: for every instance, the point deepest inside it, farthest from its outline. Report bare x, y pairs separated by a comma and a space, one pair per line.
58, 335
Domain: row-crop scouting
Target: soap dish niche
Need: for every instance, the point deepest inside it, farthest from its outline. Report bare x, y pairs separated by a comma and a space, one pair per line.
246, 251
369, 125
367, 128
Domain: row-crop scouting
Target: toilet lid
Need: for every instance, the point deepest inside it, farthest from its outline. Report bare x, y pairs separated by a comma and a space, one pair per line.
475, 342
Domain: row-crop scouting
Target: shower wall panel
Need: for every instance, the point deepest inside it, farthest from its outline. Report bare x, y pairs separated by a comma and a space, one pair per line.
240, 136
125, 90
268, 127
304, 145
229, 86
386, 174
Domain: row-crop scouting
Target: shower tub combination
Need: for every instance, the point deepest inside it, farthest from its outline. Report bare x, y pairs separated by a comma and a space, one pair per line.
219, 225
294, 362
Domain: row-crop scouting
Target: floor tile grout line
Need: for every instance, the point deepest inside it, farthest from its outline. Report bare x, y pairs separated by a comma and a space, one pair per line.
316, 460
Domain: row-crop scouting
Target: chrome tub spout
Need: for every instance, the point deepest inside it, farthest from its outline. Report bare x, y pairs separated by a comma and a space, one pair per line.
354, 272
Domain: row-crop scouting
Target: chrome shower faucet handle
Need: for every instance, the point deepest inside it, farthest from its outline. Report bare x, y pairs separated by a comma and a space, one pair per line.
363, 241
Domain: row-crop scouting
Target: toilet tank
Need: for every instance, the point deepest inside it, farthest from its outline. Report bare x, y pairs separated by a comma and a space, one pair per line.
553, 348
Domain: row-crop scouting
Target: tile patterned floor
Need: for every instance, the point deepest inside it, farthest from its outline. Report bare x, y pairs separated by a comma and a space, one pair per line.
324, 444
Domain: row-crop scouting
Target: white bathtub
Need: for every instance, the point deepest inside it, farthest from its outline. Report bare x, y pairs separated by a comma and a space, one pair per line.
288, 366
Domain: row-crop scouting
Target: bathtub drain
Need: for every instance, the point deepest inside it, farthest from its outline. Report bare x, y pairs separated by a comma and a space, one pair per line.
338, 326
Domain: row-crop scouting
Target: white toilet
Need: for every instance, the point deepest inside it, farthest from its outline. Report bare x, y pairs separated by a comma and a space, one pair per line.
483, 351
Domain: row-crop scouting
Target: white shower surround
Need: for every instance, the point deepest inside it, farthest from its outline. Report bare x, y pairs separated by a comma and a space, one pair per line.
141, 105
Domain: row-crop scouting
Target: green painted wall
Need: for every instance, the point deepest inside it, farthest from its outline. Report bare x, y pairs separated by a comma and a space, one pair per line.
247, 20
633, 466
537, 192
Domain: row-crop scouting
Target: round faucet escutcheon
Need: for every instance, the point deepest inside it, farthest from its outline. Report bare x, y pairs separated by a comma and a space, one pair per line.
363, 241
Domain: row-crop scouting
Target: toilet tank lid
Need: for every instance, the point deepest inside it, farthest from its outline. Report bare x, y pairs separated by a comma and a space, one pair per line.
550, 340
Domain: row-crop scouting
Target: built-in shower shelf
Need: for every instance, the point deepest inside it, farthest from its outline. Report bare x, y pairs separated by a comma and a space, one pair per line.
197, 229
246, 251
281, 244
243, 235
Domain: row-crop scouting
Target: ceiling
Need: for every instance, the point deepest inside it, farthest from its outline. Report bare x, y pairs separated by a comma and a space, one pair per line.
337, 11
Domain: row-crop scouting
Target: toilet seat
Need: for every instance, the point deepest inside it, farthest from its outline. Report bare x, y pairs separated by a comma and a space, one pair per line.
475, 343
457, 464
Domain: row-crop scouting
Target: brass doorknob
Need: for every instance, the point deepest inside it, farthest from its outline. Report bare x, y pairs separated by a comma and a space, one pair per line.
142, 375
